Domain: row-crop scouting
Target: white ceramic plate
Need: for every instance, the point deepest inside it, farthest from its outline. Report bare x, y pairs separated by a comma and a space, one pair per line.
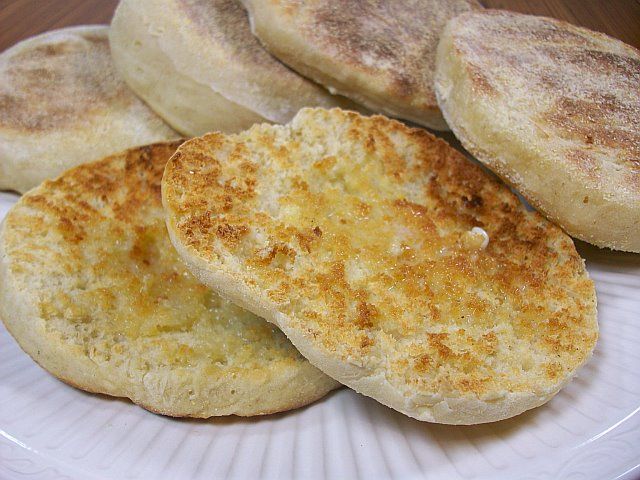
590, 430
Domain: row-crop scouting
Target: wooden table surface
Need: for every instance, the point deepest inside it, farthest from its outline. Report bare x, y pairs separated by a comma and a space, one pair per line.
20, 19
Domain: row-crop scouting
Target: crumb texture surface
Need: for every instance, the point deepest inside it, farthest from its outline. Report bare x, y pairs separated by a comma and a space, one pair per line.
396, 265
90, 255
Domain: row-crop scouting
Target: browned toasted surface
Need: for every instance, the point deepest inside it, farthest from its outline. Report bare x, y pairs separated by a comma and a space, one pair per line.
360, 231
89, 253
581, 88
58, 81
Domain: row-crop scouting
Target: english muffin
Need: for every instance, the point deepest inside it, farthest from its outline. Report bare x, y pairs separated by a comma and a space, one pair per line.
554, 110
380, 54
92, 290
198, 65
62, 104
393, 263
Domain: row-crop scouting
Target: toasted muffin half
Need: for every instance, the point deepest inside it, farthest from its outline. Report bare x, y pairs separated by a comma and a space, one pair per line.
62, 103
393, 263
554, 109
92, 289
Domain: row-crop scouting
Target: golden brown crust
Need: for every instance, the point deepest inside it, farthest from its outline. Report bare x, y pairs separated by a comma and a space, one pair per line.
555, 110
363, 240
380, 53
93, 290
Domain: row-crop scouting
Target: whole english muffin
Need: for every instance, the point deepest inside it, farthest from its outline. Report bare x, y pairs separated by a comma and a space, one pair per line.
198, 65
93, 291
554, 109
62, 104
392, 263
379, 53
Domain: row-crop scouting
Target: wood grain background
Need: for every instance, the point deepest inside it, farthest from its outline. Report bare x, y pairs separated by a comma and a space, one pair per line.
20, 19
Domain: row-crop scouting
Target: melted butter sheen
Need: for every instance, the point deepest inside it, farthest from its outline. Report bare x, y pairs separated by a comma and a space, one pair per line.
142, 296
368, 237
388, 250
